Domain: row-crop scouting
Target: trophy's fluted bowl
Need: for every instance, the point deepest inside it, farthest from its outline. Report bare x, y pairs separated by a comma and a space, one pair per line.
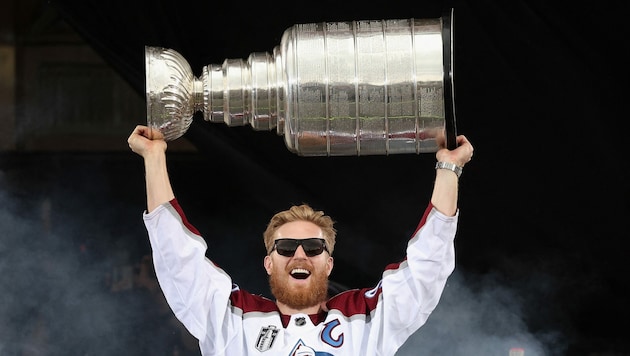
169, 92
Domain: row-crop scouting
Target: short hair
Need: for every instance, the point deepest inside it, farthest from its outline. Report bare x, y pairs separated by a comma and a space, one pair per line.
301, 213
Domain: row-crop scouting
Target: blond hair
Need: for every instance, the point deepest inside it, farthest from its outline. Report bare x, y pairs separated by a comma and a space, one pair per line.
301, 213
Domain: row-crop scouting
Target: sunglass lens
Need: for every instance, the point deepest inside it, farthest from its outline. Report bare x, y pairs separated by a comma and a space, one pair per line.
286, 247
312, 247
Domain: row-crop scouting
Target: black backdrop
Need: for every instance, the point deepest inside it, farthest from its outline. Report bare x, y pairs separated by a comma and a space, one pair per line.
543, 203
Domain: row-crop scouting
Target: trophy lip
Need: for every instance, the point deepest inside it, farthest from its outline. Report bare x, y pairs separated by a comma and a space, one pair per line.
148, 56
448, 79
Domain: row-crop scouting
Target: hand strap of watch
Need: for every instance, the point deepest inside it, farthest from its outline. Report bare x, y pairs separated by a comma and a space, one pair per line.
450, 166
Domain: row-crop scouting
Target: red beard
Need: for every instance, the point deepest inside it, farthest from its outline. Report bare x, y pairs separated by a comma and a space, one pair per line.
299, 298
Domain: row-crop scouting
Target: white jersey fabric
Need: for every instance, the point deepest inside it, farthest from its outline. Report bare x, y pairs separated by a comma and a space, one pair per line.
230, 321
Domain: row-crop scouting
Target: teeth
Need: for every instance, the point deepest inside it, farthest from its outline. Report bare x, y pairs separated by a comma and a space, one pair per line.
300, 270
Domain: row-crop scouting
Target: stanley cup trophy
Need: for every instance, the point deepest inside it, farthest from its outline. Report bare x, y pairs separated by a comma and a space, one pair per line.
331, 89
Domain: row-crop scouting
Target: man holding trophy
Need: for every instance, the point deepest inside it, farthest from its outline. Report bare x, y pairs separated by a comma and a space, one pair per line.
303, 320
351, 88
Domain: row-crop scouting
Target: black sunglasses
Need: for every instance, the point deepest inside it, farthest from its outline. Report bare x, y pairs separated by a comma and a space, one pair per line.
312, 247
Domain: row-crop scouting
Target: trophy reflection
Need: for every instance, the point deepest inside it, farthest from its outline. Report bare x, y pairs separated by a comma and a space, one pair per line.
374, 87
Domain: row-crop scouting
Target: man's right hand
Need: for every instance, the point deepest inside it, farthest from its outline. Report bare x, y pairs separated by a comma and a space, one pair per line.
144, 140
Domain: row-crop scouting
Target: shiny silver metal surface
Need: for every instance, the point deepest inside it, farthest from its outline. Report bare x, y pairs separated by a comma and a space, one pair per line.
373, 87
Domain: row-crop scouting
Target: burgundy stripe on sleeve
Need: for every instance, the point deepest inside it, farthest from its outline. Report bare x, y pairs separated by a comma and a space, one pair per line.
179, 210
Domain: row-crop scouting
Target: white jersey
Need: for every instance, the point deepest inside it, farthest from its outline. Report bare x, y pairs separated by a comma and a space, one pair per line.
230, 321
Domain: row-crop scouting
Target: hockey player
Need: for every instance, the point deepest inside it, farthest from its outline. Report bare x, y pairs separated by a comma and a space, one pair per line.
302, 320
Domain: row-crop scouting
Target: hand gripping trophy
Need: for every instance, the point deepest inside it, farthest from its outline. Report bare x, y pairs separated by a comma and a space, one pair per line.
373, 87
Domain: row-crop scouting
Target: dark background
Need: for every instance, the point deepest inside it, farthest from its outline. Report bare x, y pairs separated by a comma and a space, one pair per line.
541, 246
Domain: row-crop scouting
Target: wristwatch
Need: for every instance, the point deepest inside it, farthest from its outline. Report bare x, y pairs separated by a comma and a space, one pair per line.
450, 166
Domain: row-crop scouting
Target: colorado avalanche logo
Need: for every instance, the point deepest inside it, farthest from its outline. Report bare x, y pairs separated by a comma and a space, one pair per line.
266, 338
301, 349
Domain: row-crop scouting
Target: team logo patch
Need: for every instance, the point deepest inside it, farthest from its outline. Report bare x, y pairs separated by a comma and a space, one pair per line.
266, 337
300, 349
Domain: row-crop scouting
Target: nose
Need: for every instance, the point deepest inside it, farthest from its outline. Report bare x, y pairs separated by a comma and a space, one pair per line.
299, 252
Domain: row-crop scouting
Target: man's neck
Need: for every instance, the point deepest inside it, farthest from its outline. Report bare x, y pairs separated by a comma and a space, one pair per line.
315, 309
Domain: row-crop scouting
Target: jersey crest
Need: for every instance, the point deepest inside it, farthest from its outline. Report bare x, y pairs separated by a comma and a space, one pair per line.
266, 337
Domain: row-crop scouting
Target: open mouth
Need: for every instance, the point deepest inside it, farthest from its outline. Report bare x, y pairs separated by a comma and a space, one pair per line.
300, 273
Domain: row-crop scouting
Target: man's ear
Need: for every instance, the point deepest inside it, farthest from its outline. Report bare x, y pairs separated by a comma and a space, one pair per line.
330, 264
267, 263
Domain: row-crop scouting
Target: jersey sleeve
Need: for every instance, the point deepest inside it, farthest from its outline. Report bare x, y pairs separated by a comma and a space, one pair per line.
196, 289
408, 291
412, 288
